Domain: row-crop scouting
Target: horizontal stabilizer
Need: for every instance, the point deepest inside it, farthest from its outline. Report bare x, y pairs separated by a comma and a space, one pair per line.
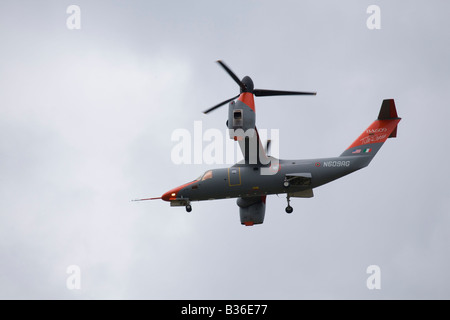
394, 133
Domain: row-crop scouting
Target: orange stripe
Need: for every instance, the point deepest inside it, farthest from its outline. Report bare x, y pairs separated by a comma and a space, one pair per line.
247, 98
378, 132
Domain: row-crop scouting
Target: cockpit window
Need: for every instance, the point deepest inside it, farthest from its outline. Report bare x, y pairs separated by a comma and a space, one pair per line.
207, 175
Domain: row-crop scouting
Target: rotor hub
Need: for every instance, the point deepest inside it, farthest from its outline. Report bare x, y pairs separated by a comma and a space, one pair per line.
248, 83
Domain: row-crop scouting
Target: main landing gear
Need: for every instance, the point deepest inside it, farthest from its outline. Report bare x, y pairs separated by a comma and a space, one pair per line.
289, 209
188, 208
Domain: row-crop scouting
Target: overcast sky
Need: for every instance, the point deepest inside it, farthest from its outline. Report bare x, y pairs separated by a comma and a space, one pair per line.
86, 118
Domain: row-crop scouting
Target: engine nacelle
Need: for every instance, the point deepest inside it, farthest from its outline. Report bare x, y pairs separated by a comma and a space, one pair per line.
241, 118
252, 210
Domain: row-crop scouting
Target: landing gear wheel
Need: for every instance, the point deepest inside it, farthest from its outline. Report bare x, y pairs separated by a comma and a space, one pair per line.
289, 209
188, 208
286, 184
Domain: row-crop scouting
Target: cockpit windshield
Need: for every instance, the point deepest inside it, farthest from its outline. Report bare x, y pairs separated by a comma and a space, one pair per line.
207, 175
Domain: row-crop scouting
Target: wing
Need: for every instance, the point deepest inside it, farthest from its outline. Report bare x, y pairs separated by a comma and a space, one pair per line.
253, 150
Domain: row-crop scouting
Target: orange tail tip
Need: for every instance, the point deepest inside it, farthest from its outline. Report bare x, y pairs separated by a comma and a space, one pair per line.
388, 110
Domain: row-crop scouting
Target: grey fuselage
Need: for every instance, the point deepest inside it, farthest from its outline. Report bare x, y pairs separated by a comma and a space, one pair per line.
243, 180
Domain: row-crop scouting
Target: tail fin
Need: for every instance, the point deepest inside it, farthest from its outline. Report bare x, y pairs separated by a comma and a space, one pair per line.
371, 140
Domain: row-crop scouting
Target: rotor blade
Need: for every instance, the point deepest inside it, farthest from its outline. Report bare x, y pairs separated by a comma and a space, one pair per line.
267, 93
232, 74
220, 104
147, 199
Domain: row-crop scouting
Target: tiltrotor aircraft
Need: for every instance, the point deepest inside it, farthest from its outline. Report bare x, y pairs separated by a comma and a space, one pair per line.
260, 175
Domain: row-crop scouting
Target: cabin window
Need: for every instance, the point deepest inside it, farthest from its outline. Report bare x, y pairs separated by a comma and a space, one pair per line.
207, 175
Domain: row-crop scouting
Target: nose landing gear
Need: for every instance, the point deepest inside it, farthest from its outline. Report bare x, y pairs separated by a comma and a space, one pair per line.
188, 208
289, 209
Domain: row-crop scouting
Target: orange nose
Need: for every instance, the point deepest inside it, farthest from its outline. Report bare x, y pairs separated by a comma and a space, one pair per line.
172, 194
